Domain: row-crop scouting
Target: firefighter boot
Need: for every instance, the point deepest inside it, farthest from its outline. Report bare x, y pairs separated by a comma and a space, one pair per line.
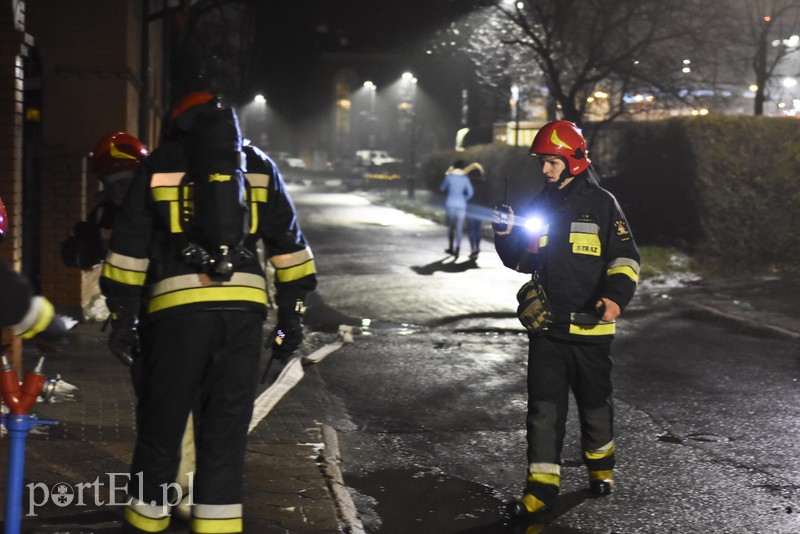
601, 482
541, 490
527, 506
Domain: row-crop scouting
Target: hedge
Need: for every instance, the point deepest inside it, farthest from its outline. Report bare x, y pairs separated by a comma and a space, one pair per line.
726, 189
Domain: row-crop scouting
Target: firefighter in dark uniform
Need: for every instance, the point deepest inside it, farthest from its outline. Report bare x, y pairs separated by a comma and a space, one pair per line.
203, 339
26, 314
114, 160
575, 239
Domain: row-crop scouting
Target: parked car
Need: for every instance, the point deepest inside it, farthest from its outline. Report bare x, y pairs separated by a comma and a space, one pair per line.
376, 157
285, 160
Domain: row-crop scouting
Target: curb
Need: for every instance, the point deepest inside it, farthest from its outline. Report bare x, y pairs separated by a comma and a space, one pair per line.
761, 326
345, 506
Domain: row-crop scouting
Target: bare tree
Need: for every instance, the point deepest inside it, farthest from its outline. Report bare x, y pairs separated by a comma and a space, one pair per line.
579, 48
760, 31
210, 47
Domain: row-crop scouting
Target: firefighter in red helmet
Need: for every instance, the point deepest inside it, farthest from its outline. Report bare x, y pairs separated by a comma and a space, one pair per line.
114, 161
27, 315
575, 242
206, 305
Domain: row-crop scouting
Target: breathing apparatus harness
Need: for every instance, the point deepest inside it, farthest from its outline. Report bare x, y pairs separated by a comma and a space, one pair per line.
214, 197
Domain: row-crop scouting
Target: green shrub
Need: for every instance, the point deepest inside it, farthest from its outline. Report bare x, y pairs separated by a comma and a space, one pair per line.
725, 188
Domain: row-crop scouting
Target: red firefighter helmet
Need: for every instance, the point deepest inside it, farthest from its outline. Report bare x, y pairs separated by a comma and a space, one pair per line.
198, 98
116, 152
3, 221
183, 115
563, 139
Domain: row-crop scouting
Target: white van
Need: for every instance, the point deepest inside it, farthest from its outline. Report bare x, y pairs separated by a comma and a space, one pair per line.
375, 157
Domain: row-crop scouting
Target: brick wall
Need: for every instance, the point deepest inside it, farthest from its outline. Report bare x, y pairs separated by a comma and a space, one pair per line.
13, 47
89, 53
63, 201
90, 57
14, 44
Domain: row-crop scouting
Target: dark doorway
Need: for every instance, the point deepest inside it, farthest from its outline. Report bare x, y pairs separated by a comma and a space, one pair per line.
31, 168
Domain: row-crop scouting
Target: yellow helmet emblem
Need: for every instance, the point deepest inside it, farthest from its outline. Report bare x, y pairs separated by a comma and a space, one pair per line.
119, 154
557, 141
219, 177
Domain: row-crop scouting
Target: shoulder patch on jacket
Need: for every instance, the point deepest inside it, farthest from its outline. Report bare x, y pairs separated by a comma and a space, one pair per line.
622, 229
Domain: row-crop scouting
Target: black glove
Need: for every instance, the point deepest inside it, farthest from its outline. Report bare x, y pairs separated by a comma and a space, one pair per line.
124, 339
288, 332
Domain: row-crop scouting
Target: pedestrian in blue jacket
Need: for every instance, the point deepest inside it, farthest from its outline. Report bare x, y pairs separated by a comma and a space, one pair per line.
459, 190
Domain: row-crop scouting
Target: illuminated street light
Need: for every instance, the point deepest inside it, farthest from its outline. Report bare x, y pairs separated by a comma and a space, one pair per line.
408, 77
259, 99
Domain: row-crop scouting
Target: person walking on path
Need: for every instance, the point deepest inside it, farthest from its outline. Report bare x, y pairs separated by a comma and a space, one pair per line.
459, 190
206, 306
574, 240
478, 207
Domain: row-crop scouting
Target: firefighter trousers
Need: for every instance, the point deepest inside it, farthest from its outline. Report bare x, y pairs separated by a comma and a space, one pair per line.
207, 361
554, 368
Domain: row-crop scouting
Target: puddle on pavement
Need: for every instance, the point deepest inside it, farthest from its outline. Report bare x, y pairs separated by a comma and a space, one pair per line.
90, 522
405, 501
412, 501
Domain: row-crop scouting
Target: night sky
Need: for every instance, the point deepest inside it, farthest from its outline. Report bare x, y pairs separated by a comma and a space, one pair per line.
292, 35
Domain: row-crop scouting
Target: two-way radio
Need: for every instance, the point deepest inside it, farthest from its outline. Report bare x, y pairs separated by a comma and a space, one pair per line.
504, 211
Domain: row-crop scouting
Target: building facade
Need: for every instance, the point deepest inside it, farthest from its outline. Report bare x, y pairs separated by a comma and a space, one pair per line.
71, 72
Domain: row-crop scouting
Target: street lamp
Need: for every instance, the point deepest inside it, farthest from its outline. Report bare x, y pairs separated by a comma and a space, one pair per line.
410, 81
261, 105
514, 101
372, 88
253, 117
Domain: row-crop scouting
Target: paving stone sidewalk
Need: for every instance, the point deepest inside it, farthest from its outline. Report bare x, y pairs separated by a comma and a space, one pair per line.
291, 475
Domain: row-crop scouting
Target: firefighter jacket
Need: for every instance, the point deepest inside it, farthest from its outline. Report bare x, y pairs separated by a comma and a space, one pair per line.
87, 244
577, 241
25, 313
144, 250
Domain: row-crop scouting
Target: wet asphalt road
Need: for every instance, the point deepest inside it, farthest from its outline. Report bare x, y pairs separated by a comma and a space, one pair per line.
429, 402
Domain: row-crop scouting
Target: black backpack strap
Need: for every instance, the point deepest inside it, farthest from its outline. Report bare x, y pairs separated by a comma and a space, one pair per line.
190, 252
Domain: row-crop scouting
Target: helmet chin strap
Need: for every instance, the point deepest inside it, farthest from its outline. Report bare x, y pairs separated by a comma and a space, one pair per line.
554, 186
565, 175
